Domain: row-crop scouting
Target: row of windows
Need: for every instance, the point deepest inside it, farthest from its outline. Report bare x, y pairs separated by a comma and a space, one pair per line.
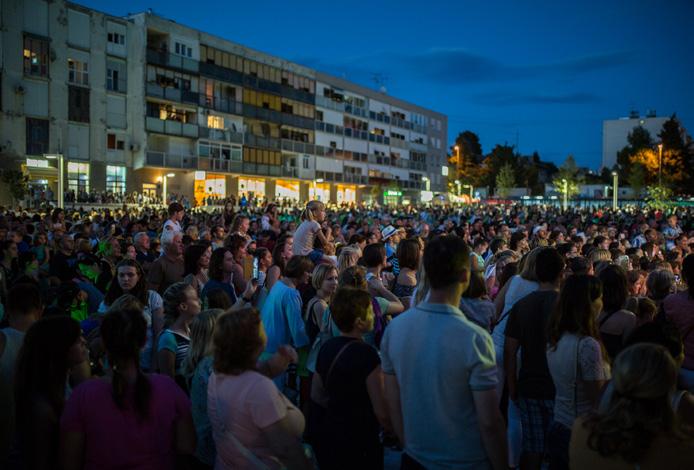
116, 38
219, 151
262, 157
168, 112
262, 100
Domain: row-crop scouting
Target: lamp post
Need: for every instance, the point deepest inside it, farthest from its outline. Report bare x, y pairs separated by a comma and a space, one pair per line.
469, 186
457, 183
165, 184
565, 184
615, 190
660, 165
427, 182
61, 177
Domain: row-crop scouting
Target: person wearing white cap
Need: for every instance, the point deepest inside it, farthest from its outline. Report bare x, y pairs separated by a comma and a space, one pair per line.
391, 238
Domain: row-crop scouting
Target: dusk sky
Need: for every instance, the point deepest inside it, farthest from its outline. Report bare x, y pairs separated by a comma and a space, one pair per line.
543, 74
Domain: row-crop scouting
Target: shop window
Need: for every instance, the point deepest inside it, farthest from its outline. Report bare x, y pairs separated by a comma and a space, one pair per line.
35, 56
115, 179
36, 136
78, 177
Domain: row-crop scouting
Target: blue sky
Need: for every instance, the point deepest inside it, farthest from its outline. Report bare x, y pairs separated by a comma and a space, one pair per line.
543, 74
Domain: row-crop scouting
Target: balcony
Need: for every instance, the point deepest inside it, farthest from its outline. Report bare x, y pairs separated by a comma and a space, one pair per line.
224, 105
324, 102
171, 94
168, 160
167, 59
419, 146
262, 142
171, 127
297, 121
298, 147
355, 178
226, 135
219, 165
399, 143
291, 172
221, 73
261, 169
382, 160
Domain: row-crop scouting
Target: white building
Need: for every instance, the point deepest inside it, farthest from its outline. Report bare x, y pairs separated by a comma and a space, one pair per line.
128, 101
616, 131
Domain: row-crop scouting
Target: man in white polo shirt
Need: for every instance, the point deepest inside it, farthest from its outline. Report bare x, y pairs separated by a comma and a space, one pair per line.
176, 213
440, 374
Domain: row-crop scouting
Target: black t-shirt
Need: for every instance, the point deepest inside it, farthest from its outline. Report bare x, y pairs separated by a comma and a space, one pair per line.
349, 411
527, 323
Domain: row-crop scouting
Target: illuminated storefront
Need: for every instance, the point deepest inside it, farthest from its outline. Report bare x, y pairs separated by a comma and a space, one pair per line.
392, 196
252, 187
320, 192
346, 193
287, 189
209, 185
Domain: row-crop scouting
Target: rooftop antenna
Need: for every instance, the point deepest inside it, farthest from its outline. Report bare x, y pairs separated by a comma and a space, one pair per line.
380, 81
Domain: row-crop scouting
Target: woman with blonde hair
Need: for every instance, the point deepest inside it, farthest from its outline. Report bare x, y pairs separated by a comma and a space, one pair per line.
311, 219
349, 256
638, 428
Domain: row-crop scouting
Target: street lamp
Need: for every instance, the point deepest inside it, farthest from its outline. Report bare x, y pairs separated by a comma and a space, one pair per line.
566, 193
61, 177
427, 183
458, 164
164, 185
457, 183
615, 190
660, 164
469, 186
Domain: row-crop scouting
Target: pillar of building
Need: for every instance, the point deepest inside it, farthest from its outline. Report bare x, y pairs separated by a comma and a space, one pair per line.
270, 188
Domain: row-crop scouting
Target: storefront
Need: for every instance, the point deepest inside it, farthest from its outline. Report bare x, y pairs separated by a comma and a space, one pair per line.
43, 178
251, 187
209, 185
285, 189
392, 197
320, 192
346, 193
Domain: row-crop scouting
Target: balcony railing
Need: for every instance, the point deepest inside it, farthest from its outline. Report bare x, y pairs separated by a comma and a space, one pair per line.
219, 165
171, 93
225, 135
168, 59
330, 104
168, 160
171, 127
262, 142
291, 172
221, 73
224, 105
400, 143
354, 178
422, 147
298, 147
261, 169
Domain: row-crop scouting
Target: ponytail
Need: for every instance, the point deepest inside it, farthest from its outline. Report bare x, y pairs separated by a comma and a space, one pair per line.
307, 213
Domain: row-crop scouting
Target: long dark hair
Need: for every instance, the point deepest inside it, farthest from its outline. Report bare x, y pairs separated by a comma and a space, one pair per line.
124, 333
191, 257
42, 363
216, 270
573, 313
277, 259
615, 287
140, 289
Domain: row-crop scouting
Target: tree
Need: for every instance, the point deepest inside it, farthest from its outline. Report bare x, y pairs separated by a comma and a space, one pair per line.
470, 155
491, 165
678, 164
637, 178
568, 171
17, 182
658, 197
505, 180
648, 160
638, 139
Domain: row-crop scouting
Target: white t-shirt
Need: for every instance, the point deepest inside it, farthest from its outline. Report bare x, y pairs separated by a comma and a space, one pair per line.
304, 236
171, 225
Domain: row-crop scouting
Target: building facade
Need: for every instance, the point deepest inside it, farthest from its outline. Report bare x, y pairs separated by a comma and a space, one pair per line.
142, 103
616, 131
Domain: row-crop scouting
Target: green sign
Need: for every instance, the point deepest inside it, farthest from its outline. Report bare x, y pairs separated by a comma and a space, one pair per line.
392, 192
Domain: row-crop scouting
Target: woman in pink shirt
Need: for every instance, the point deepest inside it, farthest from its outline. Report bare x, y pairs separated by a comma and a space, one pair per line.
253, 424
126, 419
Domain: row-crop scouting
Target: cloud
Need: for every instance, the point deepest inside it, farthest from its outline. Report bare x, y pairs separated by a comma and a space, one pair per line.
452, 66
520, 98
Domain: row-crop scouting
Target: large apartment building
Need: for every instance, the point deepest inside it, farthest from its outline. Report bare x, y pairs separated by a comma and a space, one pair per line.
139, 103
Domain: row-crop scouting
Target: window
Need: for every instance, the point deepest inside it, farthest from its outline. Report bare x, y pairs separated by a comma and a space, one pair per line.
36, 136
114, 143
116, 77
215, 122
182, 49
115, 179
78, 104
77, 72
116, 38
35, 56
306, 162
219, 151
78, 177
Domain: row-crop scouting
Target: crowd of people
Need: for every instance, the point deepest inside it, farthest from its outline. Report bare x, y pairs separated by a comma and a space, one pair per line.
267, 337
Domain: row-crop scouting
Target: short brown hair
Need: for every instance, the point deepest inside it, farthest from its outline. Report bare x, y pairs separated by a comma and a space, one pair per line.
347, 305
297, 266
446, 258
373, 254
237, 341
409, 253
